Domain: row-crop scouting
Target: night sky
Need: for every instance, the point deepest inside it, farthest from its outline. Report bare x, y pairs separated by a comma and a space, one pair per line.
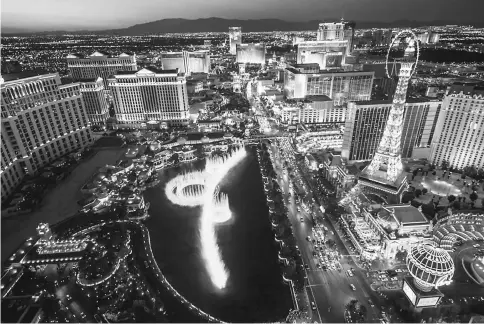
42, 15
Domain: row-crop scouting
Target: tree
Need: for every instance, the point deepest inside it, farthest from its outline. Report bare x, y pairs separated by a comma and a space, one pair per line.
473, 196
408, 196
424, 191
456, 205
470, 171
401, 255
451, 198
445, 164
418, 193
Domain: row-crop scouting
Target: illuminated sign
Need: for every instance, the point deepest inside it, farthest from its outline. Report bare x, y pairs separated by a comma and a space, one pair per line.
409, 293
429, 301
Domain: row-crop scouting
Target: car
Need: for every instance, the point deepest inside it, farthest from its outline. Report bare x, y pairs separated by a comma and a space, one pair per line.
352, 286
319, 265
394, 279
384, 279
313, 306
306, 266
308, 238
370, 303
301, 219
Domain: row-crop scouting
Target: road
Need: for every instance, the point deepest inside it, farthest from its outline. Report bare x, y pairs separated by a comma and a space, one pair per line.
330, 290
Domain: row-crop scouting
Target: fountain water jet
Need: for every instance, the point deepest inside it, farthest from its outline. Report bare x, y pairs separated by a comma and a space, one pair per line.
215, 206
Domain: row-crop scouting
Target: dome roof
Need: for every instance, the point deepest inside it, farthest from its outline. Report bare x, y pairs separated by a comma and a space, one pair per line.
430, 264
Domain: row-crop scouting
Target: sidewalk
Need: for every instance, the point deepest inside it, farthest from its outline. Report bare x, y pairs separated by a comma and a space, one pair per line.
302, 303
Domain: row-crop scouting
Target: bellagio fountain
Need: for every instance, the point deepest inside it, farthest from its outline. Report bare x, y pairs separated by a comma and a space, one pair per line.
202, 188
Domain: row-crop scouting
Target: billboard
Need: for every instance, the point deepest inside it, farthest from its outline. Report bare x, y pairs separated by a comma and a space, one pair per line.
409, 293
428, 301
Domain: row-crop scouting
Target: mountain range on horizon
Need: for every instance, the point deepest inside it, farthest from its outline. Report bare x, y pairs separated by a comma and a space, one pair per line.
181, 25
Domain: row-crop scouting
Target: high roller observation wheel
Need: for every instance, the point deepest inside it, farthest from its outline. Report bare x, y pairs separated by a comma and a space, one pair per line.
398, 36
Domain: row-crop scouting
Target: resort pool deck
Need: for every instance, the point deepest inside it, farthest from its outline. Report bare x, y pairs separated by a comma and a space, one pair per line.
440, 187
58, 204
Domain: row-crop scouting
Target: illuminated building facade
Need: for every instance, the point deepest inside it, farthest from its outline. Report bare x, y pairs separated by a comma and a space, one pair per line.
186, 62
430, 267
384, 231
327, 54
314, 110
459, 134
458, 227
339, 86
337, 31
149, 95
251, 53
384, 176
366, 121
322, 140
235, 37
97, 108
334, 169
99, 64
42, 120
434, 37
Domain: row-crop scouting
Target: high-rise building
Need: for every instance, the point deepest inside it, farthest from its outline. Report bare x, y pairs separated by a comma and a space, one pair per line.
434, 37
42, 120
150, 95
459, 134
424, 37
378, 38
95, 102
337, 31
99, 64
366, 121
328, 54
339, 86
251, 53
387, 38
235, 37
186, 62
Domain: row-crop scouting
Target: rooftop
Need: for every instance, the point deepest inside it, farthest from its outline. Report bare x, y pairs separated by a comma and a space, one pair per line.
318, 98
23, 75
145, 70
322, 72
407, 214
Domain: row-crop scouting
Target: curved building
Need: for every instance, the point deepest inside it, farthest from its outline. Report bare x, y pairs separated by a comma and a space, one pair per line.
429, 267
459, 227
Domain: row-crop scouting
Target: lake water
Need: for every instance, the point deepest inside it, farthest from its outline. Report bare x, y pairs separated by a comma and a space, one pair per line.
255, 291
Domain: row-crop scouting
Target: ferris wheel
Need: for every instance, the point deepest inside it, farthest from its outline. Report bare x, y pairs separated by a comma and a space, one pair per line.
408, 39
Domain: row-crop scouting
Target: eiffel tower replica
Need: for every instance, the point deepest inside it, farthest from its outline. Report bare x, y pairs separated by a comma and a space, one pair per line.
384, 176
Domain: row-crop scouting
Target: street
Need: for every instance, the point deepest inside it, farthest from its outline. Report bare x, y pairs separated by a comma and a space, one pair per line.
329, 289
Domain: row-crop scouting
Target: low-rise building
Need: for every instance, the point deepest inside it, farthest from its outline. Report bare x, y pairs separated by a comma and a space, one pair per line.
334, 169
379, 231
194, 86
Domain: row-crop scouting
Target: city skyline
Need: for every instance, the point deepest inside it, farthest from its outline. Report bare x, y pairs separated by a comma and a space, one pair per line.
324, 168
51, 15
